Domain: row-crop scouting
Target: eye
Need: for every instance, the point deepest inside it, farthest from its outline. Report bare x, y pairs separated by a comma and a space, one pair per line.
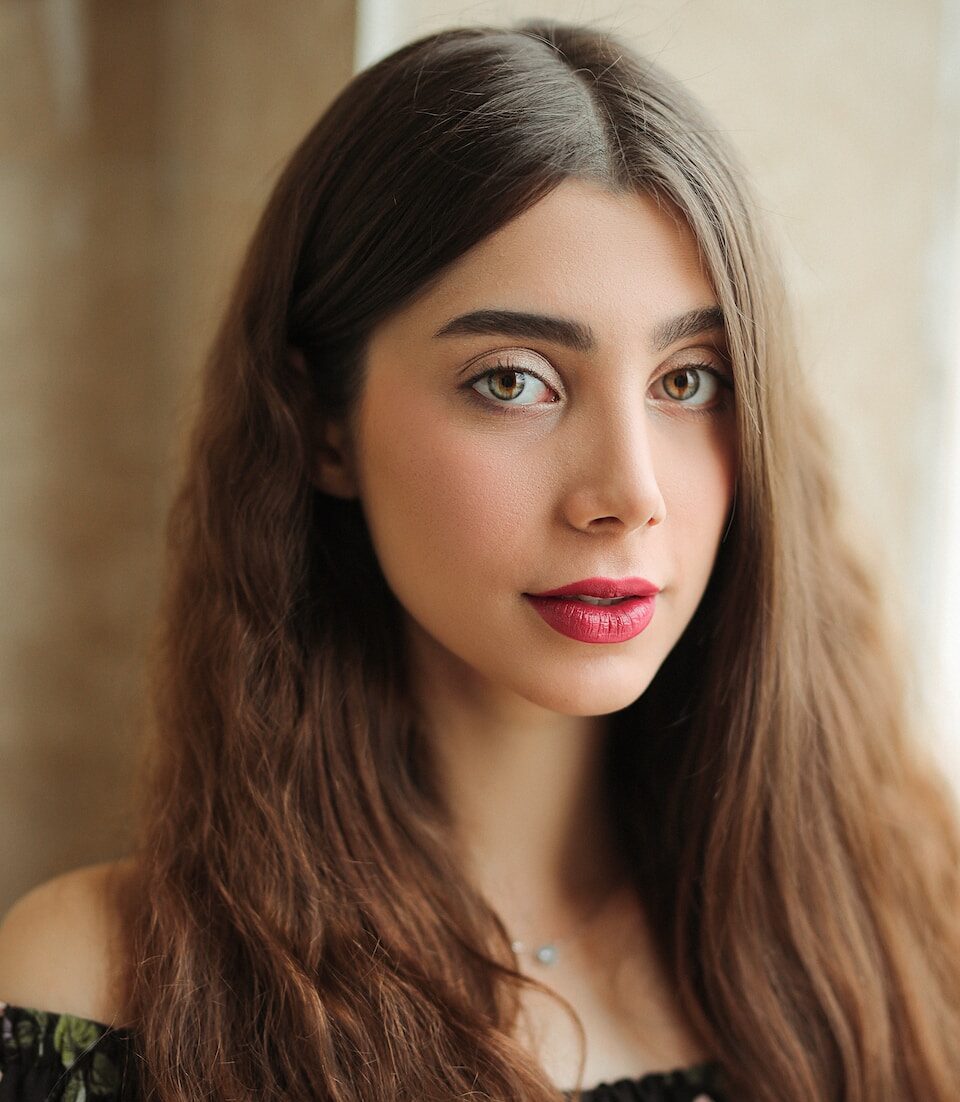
507, 382
700, 388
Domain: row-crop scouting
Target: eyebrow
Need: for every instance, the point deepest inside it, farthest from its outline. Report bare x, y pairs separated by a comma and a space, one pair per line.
575, 334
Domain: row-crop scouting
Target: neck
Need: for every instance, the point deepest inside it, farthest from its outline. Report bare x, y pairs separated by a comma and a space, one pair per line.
525, 789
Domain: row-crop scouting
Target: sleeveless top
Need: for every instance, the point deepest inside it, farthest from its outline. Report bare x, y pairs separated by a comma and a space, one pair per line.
48, 1057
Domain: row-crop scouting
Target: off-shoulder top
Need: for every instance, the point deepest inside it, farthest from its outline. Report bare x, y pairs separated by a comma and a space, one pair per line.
48, 1057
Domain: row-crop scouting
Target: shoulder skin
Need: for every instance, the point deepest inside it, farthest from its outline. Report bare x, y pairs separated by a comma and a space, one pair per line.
60, 945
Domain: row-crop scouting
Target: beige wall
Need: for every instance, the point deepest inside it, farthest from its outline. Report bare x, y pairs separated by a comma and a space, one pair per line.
137, 145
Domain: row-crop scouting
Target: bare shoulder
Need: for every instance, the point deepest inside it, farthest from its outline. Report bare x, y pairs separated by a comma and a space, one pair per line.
61, 944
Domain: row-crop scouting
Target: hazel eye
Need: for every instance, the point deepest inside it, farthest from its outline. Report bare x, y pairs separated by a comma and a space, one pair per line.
686, 381
514, 385
696, 381
506, 382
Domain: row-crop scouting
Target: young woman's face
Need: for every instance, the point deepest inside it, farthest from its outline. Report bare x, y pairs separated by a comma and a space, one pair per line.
492, 463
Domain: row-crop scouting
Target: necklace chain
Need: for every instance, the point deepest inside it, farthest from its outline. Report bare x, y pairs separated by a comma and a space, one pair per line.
548, 952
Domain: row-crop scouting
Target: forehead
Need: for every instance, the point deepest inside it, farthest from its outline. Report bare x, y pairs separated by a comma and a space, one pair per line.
621, 262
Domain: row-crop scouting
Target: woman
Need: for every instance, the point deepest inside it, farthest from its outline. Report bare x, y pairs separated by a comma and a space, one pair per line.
416, 825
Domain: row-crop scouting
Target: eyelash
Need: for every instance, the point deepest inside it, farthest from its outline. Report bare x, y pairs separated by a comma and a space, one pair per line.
724, 380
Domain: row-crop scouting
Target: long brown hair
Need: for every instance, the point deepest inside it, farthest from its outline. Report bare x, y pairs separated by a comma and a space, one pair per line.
300, 928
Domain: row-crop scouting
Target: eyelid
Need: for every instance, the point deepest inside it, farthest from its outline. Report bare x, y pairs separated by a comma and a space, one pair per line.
715, 351
516, 357
717, 363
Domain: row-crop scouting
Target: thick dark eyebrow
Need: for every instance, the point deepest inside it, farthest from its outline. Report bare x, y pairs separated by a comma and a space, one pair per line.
690, 324
574, 334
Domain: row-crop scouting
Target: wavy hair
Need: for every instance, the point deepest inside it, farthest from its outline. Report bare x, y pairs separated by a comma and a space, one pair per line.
299, 927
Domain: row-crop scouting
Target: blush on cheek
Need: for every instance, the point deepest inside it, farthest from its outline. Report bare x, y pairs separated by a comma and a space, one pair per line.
430, 494
473, 514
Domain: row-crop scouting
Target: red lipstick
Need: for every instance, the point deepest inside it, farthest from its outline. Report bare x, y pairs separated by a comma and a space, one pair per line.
590, 623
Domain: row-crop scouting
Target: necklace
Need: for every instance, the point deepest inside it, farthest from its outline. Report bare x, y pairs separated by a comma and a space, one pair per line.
548, 952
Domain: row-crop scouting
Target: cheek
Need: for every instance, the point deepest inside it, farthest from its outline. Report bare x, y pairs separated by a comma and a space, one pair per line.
441, 503
697, 485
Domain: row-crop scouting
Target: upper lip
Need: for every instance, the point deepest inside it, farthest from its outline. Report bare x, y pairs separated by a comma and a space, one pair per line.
604, 587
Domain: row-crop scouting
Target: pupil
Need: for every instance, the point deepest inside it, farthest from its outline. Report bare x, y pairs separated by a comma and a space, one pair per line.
511, 376
685, 374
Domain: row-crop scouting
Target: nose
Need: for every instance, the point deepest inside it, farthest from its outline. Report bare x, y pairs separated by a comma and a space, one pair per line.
615, 480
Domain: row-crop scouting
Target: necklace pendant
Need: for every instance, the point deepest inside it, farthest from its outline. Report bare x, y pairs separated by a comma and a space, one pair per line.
547, 954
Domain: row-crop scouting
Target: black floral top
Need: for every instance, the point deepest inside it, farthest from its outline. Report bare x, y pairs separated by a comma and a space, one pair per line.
47, 1057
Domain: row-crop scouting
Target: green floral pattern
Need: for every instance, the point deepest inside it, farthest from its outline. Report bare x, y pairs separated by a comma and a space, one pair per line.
47, 1057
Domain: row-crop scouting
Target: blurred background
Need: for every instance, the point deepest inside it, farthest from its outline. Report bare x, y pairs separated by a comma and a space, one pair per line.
138, 143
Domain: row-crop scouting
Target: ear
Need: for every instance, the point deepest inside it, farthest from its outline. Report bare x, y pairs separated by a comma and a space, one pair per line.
332, 467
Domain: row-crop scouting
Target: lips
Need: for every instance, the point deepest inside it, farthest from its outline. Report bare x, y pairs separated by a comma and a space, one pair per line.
589, 623
604, 588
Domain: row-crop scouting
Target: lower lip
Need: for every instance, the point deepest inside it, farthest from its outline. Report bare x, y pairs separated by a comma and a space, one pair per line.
595, 623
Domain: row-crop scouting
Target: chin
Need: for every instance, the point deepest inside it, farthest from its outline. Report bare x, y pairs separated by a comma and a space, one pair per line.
593, 695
